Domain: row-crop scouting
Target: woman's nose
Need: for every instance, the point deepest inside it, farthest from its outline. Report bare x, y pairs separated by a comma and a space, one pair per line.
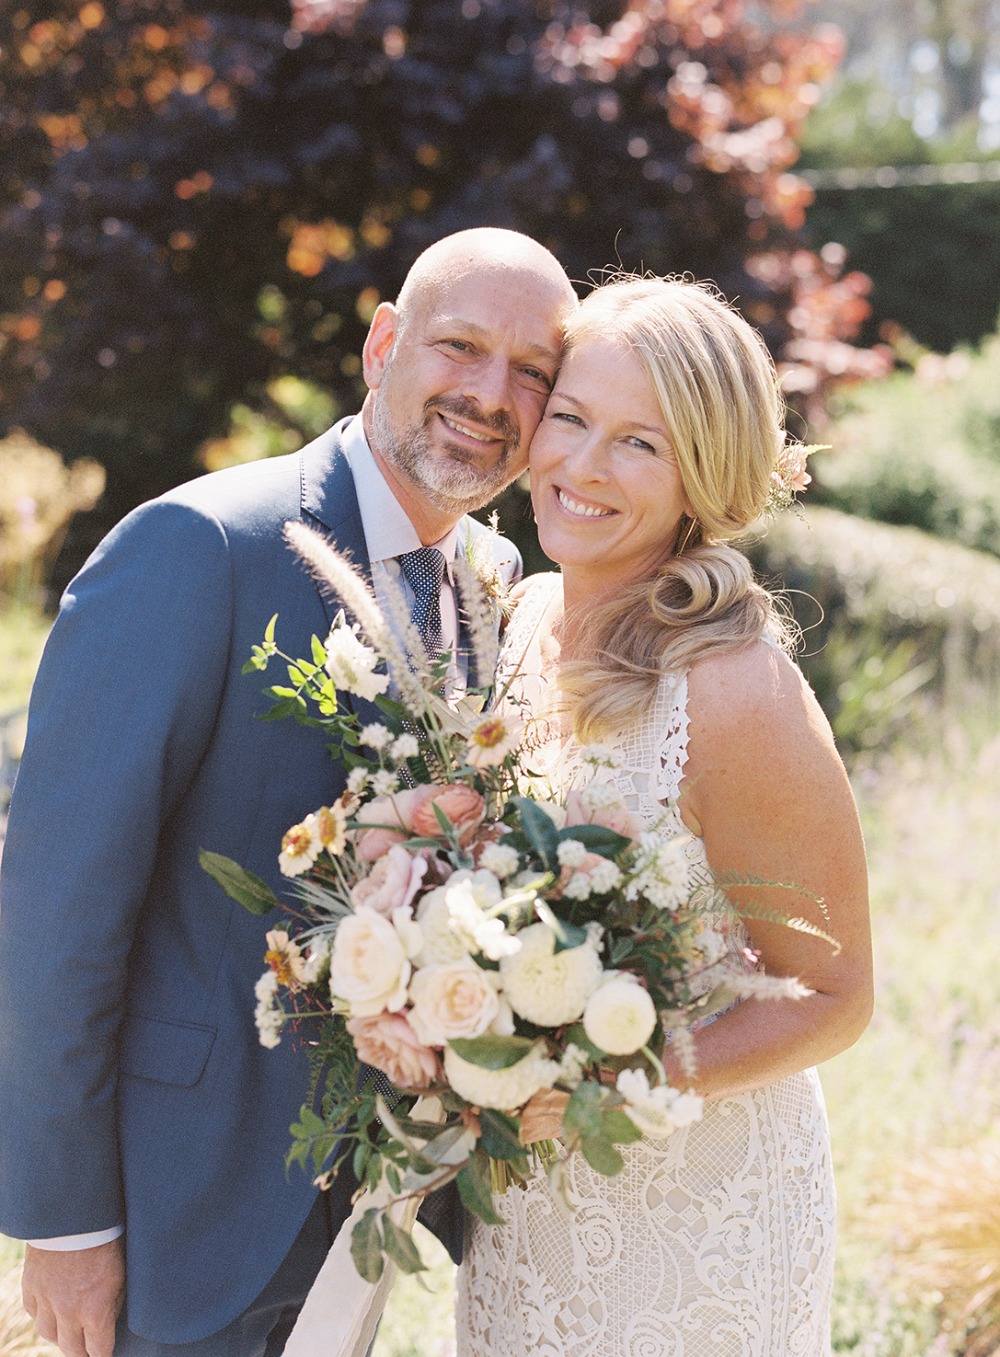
589, 460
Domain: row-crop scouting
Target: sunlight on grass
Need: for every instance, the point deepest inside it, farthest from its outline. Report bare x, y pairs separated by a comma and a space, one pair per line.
927, 1071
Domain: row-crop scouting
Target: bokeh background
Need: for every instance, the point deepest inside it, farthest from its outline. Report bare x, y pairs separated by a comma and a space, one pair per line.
203, 201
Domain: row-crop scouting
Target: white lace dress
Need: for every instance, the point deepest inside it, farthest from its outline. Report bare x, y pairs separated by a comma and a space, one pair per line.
717, 1242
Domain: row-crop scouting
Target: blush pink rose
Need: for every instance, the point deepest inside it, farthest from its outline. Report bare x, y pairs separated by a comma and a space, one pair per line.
615, 817
463, 806
390, 1044
392, 882
384, 812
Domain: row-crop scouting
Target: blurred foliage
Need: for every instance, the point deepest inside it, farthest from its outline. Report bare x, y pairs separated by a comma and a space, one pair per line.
203, 196
922, 448
292, 412
931, 251
897, 624
39, 495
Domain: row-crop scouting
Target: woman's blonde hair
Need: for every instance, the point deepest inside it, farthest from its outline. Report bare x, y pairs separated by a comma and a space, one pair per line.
718, 391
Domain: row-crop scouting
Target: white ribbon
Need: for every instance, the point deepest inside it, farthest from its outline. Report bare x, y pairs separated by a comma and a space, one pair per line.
342, 1311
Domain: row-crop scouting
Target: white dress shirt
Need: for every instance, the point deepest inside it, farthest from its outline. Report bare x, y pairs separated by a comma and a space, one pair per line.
388, 533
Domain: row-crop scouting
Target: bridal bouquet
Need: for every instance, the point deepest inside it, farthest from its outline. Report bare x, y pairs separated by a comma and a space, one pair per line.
492, 957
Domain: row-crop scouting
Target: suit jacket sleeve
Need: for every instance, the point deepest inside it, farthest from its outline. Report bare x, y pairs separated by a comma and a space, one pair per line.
122, 710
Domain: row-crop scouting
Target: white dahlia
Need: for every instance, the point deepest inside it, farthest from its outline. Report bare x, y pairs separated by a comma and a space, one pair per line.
504, 1090
620, 1016
547, 987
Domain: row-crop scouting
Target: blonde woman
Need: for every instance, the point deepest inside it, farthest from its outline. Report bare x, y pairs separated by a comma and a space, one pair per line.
659, 445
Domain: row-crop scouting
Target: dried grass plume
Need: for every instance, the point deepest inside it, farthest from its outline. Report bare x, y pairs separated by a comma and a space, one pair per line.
946, 1240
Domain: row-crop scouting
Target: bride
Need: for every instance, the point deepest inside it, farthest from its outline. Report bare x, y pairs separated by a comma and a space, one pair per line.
659, 444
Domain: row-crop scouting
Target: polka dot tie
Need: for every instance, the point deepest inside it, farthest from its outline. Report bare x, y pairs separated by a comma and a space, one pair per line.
424, 572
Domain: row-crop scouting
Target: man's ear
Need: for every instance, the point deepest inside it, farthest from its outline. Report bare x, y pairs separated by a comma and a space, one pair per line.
381, 336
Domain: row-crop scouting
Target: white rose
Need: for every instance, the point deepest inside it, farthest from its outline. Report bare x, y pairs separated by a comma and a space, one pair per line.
455, 1000
548, 987
620, 1016
505, 1090
368, 965
441, 943
660, 1111
351, 664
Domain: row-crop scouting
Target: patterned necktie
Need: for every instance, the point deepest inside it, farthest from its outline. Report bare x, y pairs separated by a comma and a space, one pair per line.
424, 572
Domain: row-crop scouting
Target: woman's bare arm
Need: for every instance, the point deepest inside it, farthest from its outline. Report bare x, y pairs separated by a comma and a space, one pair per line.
766, 788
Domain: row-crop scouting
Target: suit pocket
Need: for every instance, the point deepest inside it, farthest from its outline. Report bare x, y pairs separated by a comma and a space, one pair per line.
165, 1051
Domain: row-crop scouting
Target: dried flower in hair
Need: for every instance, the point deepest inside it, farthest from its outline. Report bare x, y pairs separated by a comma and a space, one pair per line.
789, 476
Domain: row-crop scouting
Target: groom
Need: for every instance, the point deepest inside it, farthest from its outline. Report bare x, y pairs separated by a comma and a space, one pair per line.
142, 1126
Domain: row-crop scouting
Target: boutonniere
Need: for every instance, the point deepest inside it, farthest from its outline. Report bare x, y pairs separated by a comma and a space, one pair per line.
483, 555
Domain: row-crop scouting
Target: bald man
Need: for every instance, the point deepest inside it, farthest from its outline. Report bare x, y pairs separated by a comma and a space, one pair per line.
142, 1125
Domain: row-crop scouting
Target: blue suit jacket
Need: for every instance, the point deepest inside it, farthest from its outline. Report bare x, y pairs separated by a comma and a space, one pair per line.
133, 1083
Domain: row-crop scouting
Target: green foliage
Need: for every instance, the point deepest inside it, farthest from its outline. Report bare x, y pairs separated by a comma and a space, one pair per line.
205, 203
923, 449
931, 251
240, 885
860, 590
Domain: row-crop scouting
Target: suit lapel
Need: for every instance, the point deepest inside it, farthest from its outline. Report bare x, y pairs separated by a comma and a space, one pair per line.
330, 505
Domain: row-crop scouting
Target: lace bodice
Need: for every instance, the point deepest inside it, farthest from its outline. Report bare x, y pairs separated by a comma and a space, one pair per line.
651, 754
717, 1242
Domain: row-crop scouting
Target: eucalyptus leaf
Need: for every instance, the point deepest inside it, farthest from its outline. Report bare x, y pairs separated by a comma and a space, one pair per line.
490, 1052
583, 1111
597, 839
240, 885
452, 1146
601, 1155
400, 1247
366, 1246
567, 935
619, 1128
499, 1136
540, 831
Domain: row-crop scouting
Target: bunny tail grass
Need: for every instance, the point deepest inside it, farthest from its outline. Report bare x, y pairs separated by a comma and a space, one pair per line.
343, 579
480, 617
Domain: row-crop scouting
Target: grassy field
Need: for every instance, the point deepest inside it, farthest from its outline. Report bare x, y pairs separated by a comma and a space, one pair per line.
927, 1072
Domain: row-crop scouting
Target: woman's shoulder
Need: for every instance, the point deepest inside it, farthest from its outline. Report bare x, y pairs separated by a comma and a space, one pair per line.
756, 696
541, 583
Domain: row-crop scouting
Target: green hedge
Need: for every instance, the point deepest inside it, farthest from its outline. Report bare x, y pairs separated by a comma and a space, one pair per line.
922, 448
896, 623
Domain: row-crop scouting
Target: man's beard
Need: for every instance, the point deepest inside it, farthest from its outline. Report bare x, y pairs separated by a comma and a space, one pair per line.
454, 484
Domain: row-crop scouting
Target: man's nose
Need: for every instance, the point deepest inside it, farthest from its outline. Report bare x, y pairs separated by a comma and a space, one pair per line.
488, 384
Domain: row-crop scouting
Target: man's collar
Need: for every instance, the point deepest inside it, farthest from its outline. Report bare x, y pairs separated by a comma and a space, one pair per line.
388, 531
